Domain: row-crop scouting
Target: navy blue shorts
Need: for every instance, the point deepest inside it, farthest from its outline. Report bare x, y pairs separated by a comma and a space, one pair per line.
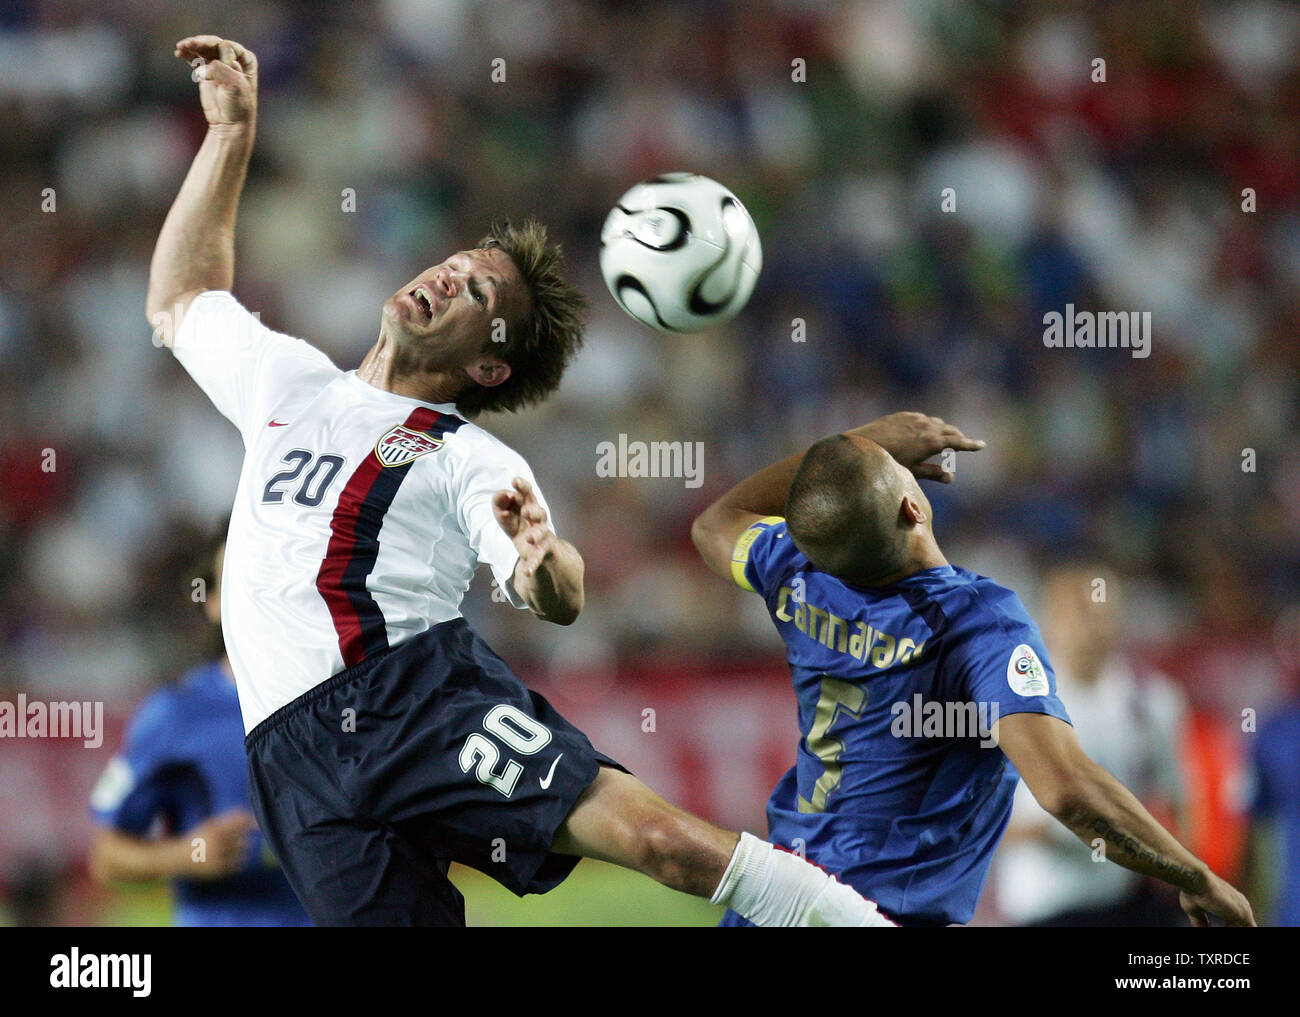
369, 785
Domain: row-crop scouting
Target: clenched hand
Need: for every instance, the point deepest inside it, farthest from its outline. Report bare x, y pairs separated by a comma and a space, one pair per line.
227, 77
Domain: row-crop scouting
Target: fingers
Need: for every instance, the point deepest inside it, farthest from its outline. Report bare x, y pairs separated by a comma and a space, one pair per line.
530, 508
945, 435
535, 545
220, 73
520, 515
932, 471
213, 48
505, 501
954, 439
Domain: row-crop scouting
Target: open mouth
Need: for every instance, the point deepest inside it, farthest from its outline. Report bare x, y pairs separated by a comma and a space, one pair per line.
424, 301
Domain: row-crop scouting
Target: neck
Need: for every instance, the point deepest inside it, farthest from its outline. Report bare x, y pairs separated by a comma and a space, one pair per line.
926, 555
386, 368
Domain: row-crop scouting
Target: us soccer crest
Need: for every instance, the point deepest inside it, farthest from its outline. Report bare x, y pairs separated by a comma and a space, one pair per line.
401, 445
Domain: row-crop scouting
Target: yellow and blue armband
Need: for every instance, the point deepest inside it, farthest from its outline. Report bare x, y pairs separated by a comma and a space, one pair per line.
740, 556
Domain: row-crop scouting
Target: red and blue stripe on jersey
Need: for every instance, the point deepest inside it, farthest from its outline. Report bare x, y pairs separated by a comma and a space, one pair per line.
354, 544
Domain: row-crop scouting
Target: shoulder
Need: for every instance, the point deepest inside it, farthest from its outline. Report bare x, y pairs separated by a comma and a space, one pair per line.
765, 551
214, 307
979, 612
986, 602
171, 702
475, 448
770, 539
964, 600
155, 718
215, 300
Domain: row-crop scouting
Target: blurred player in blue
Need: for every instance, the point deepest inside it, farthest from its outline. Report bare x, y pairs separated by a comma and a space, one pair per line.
1274, 799
924, 690
173, 804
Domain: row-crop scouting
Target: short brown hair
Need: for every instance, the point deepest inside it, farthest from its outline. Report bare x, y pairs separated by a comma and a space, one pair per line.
539, 347
845, 516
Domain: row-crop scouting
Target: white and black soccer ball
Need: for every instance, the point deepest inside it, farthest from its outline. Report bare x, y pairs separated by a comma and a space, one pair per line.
680, 253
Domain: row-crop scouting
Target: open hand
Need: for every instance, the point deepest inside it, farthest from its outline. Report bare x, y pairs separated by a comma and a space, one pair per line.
521, 516
912, 438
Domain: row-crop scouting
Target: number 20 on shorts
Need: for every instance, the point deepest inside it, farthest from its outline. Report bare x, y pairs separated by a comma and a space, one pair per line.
517, 731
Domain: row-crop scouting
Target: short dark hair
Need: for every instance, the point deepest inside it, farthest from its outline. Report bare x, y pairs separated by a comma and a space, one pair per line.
845, 516
541, 345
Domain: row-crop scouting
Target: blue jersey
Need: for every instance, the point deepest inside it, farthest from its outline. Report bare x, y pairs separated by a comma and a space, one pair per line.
1275, 759
182, 763
898, 787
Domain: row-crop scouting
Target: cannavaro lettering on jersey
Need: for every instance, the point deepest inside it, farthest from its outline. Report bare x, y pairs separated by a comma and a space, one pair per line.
855, 638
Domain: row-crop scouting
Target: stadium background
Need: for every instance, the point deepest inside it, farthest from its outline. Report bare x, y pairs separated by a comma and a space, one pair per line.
1122, 195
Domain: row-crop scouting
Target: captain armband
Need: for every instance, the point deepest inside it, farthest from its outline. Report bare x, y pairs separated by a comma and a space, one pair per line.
740, 556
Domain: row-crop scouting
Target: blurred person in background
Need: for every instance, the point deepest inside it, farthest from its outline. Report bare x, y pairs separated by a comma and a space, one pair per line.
173, 804
1273, 861
1129, 722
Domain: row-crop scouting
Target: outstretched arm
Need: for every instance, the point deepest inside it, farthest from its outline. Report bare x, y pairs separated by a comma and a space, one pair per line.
196, 248
120, 857
1095, 806
911, 438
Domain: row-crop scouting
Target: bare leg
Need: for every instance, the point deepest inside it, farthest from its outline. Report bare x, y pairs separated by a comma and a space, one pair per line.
618, 819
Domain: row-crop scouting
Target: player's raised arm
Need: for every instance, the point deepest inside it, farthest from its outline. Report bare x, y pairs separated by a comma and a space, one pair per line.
1095, 806
196, 248
911, 438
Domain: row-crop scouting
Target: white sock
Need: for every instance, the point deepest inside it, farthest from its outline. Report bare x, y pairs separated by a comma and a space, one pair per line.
769, 886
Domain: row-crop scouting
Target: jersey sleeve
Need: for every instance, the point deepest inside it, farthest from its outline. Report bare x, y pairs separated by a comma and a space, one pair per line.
757, 551
1005, 665
484, 476
131, 792
245, 368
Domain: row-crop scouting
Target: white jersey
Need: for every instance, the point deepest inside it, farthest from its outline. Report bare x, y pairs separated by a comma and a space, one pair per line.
361, 515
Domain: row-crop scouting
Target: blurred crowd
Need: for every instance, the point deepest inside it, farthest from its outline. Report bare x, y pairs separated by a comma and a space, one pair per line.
1142, 156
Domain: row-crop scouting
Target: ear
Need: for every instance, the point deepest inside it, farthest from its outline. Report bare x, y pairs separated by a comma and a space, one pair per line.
912, 511
489, 373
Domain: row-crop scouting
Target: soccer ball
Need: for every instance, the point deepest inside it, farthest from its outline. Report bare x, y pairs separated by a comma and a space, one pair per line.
680, 253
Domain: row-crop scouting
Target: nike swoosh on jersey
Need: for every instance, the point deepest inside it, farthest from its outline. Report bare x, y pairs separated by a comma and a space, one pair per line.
546, 781
278, 423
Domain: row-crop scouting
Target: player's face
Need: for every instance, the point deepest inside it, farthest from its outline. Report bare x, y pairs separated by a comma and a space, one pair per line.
451, 312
